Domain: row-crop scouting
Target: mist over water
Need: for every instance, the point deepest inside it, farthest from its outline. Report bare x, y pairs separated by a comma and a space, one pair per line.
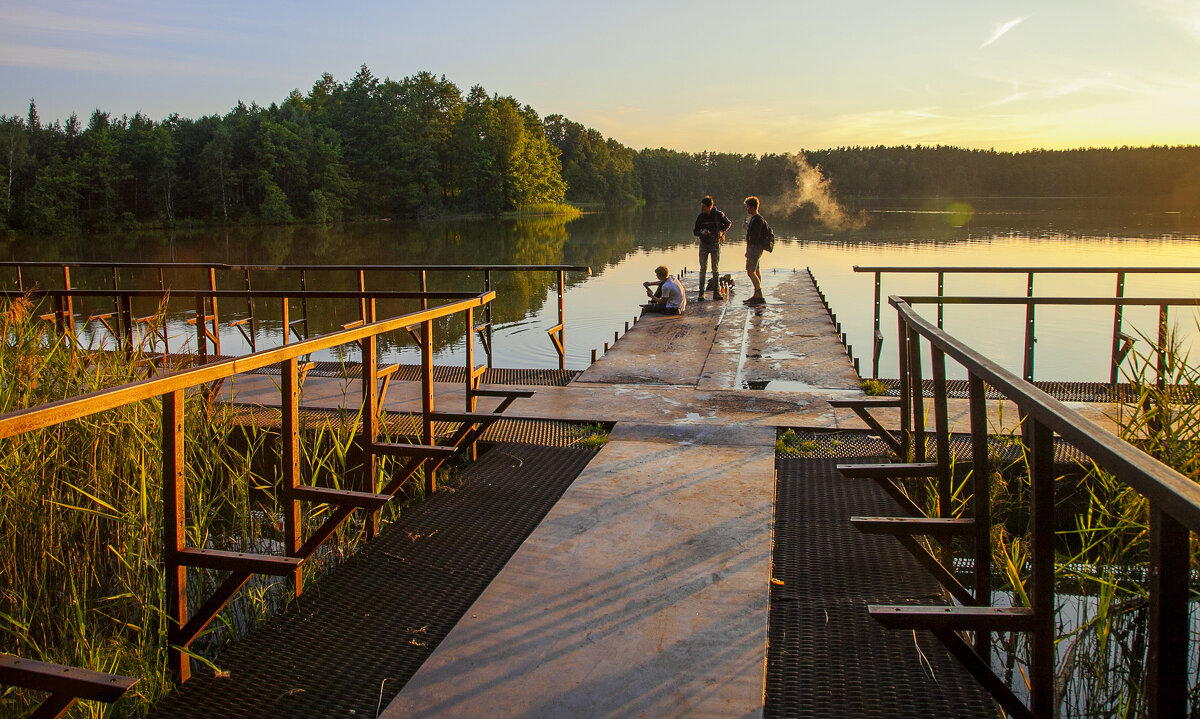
812, 188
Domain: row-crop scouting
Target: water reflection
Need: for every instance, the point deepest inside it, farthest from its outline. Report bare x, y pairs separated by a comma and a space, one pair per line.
623, 247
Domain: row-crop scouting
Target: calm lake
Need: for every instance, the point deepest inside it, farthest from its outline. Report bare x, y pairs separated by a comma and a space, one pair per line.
623, 247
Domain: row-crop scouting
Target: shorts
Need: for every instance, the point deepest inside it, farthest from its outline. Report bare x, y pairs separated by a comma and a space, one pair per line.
753, 253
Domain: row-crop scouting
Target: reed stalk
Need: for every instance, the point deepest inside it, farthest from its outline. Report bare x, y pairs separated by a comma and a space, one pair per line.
81, 576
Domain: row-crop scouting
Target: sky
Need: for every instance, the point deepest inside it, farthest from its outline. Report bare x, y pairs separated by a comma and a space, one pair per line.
773, 76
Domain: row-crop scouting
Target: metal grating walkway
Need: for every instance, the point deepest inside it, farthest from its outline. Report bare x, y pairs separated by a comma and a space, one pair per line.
827, 657
351, 642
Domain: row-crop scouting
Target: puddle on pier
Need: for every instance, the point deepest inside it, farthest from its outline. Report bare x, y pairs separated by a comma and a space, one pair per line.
790, 385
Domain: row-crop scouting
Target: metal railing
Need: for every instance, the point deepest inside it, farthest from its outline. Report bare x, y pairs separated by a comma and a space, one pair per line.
65, 685
1120, 341
185, 627
123, 323
1174, 503
242, 274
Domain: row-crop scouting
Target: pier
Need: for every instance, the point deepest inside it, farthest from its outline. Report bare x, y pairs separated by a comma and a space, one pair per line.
647, 589
688, 567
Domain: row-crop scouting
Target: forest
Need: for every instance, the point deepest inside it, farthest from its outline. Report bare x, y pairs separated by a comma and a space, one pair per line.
374, 148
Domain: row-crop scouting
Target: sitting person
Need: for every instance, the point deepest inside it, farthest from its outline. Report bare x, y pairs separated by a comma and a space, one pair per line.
668, 299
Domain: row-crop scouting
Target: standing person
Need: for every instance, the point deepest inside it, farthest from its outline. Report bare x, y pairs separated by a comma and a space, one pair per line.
669, 299
758, 234
710, 228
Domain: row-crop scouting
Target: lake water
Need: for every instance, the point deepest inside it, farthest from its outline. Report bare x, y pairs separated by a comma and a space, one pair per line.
623, 247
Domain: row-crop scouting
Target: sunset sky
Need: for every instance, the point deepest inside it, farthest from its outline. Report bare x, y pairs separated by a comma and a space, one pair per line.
698, 75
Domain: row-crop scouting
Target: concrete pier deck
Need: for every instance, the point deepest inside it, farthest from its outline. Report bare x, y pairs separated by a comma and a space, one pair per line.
644, 592
646, 589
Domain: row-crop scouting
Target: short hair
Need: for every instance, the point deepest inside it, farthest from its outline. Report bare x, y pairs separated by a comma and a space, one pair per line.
707, 201
752, 203
662, 271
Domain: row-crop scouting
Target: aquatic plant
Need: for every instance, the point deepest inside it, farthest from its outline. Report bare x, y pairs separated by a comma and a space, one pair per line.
1102, 544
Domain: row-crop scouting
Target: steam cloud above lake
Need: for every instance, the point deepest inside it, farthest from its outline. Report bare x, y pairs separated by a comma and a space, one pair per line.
812, 188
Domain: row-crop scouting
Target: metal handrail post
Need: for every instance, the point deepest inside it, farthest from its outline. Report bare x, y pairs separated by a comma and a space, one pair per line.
303, 304
1170, 557
877, 340
250, 312
1118, 315
1041, 595
487, 287
917, 386
68, 317
127, 310
902, 339
471, 401
941, 282
369, 427
116, 305
362, 287
945, 488
216, 325
1030, 335
201, 339
562, 332
981, 501
286, 315
427, 398
289, 395
174, 531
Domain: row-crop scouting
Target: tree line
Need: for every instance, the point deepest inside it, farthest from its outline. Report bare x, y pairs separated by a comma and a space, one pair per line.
374, 148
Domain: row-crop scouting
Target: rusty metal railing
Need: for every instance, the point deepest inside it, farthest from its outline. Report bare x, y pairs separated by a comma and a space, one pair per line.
216, 273
186, 626
1174, 503
1120, 341
123, 323
65, 685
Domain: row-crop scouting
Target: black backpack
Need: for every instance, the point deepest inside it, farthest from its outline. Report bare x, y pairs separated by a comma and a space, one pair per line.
766, 236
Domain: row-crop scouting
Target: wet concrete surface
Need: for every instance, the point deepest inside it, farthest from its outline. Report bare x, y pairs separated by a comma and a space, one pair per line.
644, 592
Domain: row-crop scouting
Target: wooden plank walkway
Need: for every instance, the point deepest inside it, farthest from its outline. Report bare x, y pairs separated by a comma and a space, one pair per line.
646, 589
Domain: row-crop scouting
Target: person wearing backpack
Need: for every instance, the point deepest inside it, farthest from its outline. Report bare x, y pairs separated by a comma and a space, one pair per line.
710, 228
759, 238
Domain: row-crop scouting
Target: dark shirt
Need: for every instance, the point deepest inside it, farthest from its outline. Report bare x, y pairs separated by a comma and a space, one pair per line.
715, 222
756, 231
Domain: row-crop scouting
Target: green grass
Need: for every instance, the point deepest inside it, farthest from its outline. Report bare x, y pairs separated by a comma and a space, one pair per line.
788, 444
590, 436
873, 387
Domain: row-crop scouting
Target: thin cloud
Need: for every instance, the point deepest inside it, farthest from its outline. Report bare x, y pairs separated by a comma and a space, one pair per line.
1184, 13
52, 58
1002, 31
37, 20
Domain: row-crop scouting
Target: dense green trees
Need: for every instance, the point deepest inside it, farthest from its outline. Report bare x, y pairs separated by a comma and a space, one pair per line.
373, 147
364, 148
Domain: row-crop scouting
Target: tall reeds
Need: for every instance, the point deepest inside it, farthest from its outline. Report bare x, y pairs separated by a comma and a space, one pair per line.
81, 580
1102, 545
